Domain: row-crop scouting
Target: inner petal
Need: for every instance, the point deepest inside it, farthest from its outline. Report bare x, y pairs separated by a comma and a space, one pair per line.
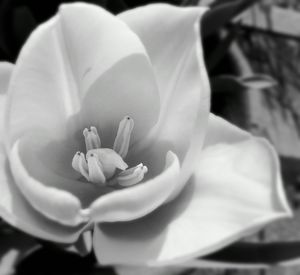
128, 88
52, 168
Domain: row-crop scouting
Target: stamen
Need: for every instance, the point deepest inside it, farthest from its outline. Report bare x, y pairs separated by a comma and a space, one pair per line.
132, 176
109, 161
92, 139
122, 140
80, 165
95, 170
105, 166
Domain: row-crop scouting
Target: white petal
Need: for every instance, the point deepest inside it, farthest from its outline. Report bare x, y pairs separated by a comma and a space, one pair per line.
60, 66
236, 189
139, 200
172, 39
14, 209
58, 205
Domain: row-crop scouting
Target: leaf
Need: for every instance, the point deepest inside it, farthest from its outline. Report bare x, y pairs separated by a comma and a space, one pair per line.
49, 261
186, 3
226, 83
230, 83
15, 247
258, 81
221, 49
276, 253
222, 13
5, 11
23, 24
83, 246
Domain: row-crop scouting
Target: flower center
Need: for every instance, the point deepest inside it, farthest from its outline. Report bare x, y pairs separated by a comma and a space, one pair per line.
105, 166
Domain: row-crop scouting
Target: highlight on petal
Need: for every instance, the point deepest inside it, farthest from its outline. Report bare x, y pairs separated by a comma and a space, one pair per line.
176, 53
139, 200
235, 190
70, 65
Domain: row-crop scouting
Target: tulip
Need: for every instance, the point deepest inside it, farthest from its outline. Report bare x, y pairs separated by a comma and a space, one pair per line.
106, 130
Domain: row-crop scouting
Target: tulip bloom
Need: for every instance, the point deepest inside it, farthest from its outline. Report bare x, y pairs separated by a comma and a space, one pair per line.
105, 128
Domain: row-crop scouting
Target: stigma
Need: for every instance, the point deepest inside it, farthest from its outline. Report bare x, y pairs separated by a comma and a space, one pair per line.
105, 166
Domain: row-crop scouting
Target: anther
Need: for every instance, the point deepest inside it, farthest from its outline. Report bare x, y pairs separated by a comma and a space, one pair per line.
122, 140
92, 139
80, 165
95, 170
132, 176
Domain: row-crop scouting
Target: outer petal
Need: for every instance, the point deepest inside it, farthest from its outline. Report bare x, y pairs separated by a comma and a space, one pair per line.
175, 50
137, 201
58, 205
13, 206
236, 189
74, 60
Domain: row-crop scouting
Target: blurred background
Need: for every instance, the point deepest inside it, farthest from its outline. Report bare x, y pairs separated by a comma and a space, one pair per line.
252, 51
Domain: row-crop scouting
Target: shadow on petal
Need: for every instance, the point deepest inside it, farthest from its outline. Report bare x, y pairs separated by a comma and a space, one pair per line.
140, 241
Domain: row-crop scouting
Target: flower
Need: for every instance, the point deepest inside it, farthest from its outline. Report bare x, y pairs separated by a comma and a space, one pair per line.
106, 124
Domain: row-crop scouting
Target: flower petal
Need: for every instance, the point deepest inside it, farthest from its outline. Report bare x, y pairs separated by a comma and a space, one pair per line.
13, 207
175, 51
15, 210
139, 200
236, 189
59, 69
58, 205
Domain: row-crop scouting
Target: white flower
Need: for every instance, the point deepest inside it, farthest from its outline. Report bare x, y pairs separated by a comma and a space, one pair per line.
171, 183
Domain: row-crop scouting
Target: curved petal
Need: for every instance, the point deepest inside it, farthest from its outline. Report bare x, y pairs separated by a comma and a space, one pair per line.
236, 189
13, 207
175, 50
15, 210
58, 205
60, 66
137, 201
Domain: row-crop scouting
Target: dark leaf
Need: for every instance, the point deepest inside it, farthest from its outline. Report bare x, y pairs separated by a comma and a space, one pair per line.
83, 246
221, 50
258, 253
221, 14
23, 24
185, 3
230, 83
5, 27
54, 261
15, 247
258, 81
